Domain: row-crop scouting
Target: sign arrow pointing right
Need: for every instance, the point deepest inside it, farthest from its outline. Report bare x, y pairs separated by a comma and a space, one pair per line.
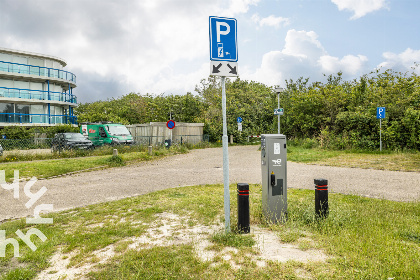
232, 69
216, 68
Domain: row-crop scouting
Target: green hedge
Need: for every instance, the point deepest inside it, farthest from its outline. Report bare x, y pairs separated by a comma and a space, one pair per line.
19, 132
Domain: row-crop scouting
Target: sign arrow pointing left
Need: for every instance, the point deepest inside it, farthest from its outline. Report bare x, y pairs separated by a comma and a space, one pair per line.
216, 68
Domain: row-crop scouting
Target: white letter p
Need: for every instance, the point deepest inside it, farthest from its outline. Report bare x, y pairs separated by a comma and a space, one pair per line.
220, 32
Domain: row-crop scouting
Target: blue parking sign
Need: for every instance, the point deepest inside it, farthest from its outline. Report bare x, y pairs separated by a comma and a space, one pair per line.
223, 39
380, 112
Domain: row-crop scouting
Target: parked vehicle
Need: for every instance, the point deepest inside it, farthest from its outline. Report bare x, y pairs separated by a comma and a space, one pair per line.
107, 133
69, 140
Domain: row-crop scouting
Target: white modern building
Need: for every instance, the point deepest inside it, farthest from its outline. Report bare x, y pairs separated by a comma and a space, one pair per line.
35, 90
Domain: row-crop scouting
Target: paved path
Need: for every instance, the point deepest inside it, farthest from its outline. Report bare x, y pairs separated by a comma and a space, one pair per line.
204, 167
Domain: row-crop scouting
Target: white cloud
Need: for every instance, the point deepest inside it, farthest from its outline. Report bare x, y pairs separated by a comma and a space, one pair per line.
271, 20
303, 44
349, 64
360, 8
401, 62
241, 6
304, 56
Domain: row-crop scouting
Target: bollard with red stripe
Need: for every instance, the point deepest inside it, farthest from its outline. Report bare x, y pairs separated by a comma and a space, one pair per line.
321, 198
243, 207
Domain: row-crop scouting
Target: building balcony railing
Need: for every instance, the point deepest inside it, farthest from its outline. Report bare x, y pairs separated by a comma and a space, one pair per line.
37, 71
37, 94
37, 118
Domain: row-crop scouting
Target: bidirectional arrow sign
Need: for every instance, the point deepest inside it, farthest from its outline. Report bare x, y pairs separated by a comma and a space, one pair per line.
279, 111
224, 68
223, 39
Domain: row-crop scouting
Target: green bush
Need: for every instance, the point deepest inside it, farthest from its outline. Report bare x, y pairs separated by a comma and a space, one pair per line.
116, 161
19, 132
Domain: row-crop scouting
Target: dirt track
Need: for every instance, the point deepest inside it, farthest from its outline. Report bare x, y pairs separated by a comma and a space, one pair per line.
204, 167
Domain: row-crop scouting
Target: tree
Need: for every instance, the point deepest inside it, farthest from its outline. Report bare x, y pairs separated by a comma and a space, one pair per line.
252, 101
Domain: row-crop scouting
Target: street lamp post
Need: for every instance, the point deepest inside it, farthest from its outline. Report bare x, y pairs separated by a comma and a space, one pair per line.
278, 90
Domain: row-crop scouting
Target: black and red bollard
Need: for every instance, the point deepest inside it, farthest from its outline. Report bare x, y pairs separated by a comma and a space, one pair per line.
243, 207
321, 198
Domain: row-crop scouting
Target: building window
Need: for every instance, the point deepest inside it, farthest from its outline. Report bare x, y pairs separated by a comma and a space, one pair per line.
22, 113
6, 112
38, 114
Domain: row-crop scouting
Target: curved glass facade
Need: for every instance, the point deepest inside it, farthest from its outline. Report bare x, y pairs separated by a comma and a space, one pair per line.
37, 71
35, 90
37, 94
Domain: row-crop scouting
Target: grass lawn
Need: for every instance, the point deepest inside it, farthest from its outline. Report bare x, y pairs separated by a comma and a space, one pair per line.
46, 168
140, 238
397, 161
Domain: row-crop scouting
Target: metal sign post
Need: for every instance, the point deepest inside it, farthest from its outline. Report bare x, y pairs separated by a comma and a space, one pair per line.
171, 125
224, 57
226, 195
278, 111
380, 135
380, 114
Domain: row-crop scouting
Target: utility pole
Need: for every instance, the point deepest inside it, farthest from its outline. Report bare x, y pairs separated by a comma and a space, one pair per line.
278, 90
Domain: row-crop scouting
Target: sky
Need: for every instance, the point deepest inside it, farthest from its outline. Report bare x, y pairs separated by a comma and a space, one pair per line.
116, 47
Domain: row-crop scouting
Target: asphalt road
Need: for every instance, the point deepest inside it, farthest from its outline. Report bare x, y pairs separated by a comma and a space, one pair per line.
202, 167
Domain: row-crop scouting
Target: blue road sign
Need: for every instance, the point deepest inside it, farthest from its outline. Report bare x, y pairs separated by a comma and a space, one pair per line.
238, 119
223, 39
380, 112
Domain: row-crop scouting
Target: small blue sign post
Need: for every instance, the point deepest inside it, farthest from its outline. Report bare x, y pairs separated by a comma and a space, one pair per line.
238, 119
380, 114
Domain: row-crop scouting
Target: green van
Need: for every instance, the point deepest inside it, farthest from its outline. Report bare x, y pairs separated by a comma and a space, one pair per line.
106, 133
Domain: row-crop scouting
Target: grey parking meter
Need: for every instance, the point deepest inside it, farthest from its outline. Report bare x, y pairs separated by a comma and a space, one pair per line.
274, 177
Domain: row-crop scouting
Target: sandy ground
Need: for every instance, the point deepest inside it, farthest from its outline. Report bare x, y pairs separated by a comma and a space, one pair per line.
170, 229
204, 167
